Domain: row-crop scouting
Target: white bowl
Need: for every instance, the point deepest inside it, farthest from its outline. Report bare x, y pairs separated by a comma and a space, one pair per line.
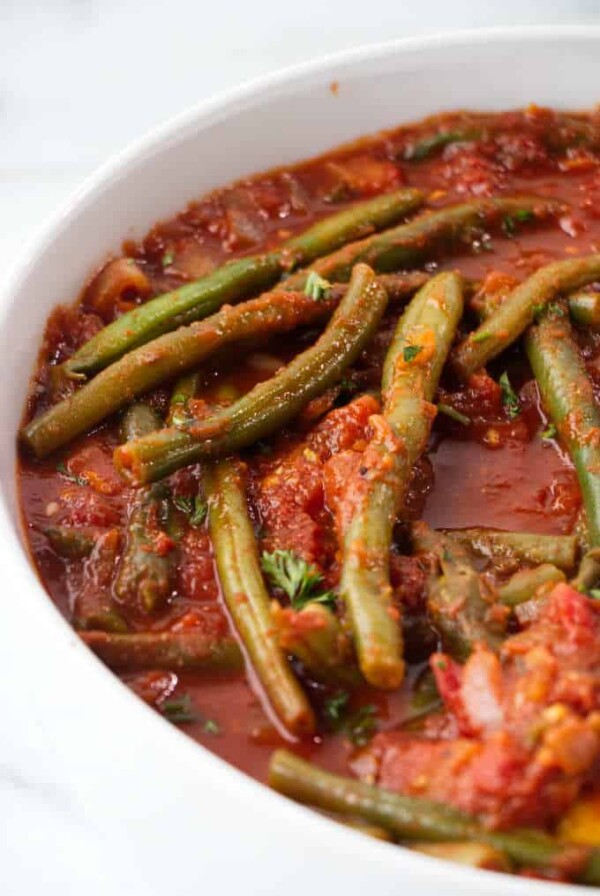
97, 790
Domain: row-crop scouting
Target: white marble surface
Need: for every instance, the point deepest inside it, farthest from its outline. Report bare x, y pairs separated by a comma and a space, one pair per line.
78, 80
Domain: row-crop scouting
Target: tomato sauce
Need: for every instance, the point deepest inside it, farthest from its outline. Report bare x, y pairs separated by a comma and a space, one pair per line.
494, 472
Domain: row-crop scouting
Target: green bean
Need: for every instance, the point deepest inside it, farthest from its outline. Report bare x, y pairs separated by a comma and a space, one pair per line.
414, 818
184, 389
236, 279
457, 600
94, 607
520, 309
138, 420
315, 637
568, 397
246, 596
180, 651
530, 547
164, 358
144, 579
411, 372
416, 152
588, 574
72, 543
584, 308
272, 403
409, 244
525, 583
474, 855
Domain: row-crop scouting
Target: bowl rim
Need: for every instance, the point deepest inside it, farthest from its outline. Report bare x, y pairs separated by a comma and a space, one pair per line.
230, 778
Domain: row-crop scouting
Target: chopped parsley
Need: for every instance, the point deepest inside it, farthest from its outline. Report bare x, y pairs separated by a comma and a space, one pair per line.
168, 259
509, 224
510, 399
195, 508
410, 352
179, 710
79, 480
362, 725
451, 412
316, 287
359, 726
549, 432
335, 708
211, 727
301, 581
481, 336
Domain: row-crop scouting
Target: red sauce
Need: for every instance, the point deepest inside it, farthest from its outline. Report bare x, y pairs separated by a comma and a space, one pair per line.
494, 473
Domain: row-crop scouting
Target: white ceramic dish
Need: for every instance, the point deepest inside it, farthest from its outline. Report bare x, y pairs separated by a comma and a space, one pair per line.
100, 792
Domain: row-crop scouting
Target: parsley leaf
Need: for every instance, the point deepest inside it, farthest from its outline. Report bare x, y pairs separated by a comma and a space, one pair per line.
79, 480
362, 725
481, 337
316, 287
179, 710
196, 509
211, 727
509, 224
168, 259
359, 726
510, 399
410, 352
335, 707
297, 578
549, 432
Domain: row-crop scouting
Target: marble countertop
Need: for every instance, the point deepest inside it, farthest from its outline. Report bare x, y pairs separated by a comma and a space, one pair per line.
79, 79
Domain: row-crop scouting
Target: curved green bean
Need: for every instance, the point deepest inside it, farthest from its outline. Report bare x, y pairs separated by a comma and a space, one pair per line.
530, 547
409, 244
246, 596
520, 309
236, 279
272, 403
525, 583
414, 818
180, 651
72, 543
411, 373
568, 397
94, 607
584, 308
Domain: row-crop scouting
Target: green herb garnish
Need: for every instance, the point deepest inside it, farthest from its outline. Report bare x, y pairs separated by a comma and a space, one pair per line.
168, 259
179, 710
195, 508
335, 707
79, 480
481, 337
316, 287
211, 727
300, 580
510, 399
362, 725
410, 352
451, 412
549, 432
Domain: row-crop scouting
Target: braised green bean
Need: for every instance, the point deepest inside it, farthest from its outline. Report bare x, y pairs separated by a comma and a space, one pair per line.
530, 547
414, 818
246, 596
237, 279
520, 309
526, 583
584, 308
272, 403
180, 651
72, 543
94, 606
411, 372
568, 397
